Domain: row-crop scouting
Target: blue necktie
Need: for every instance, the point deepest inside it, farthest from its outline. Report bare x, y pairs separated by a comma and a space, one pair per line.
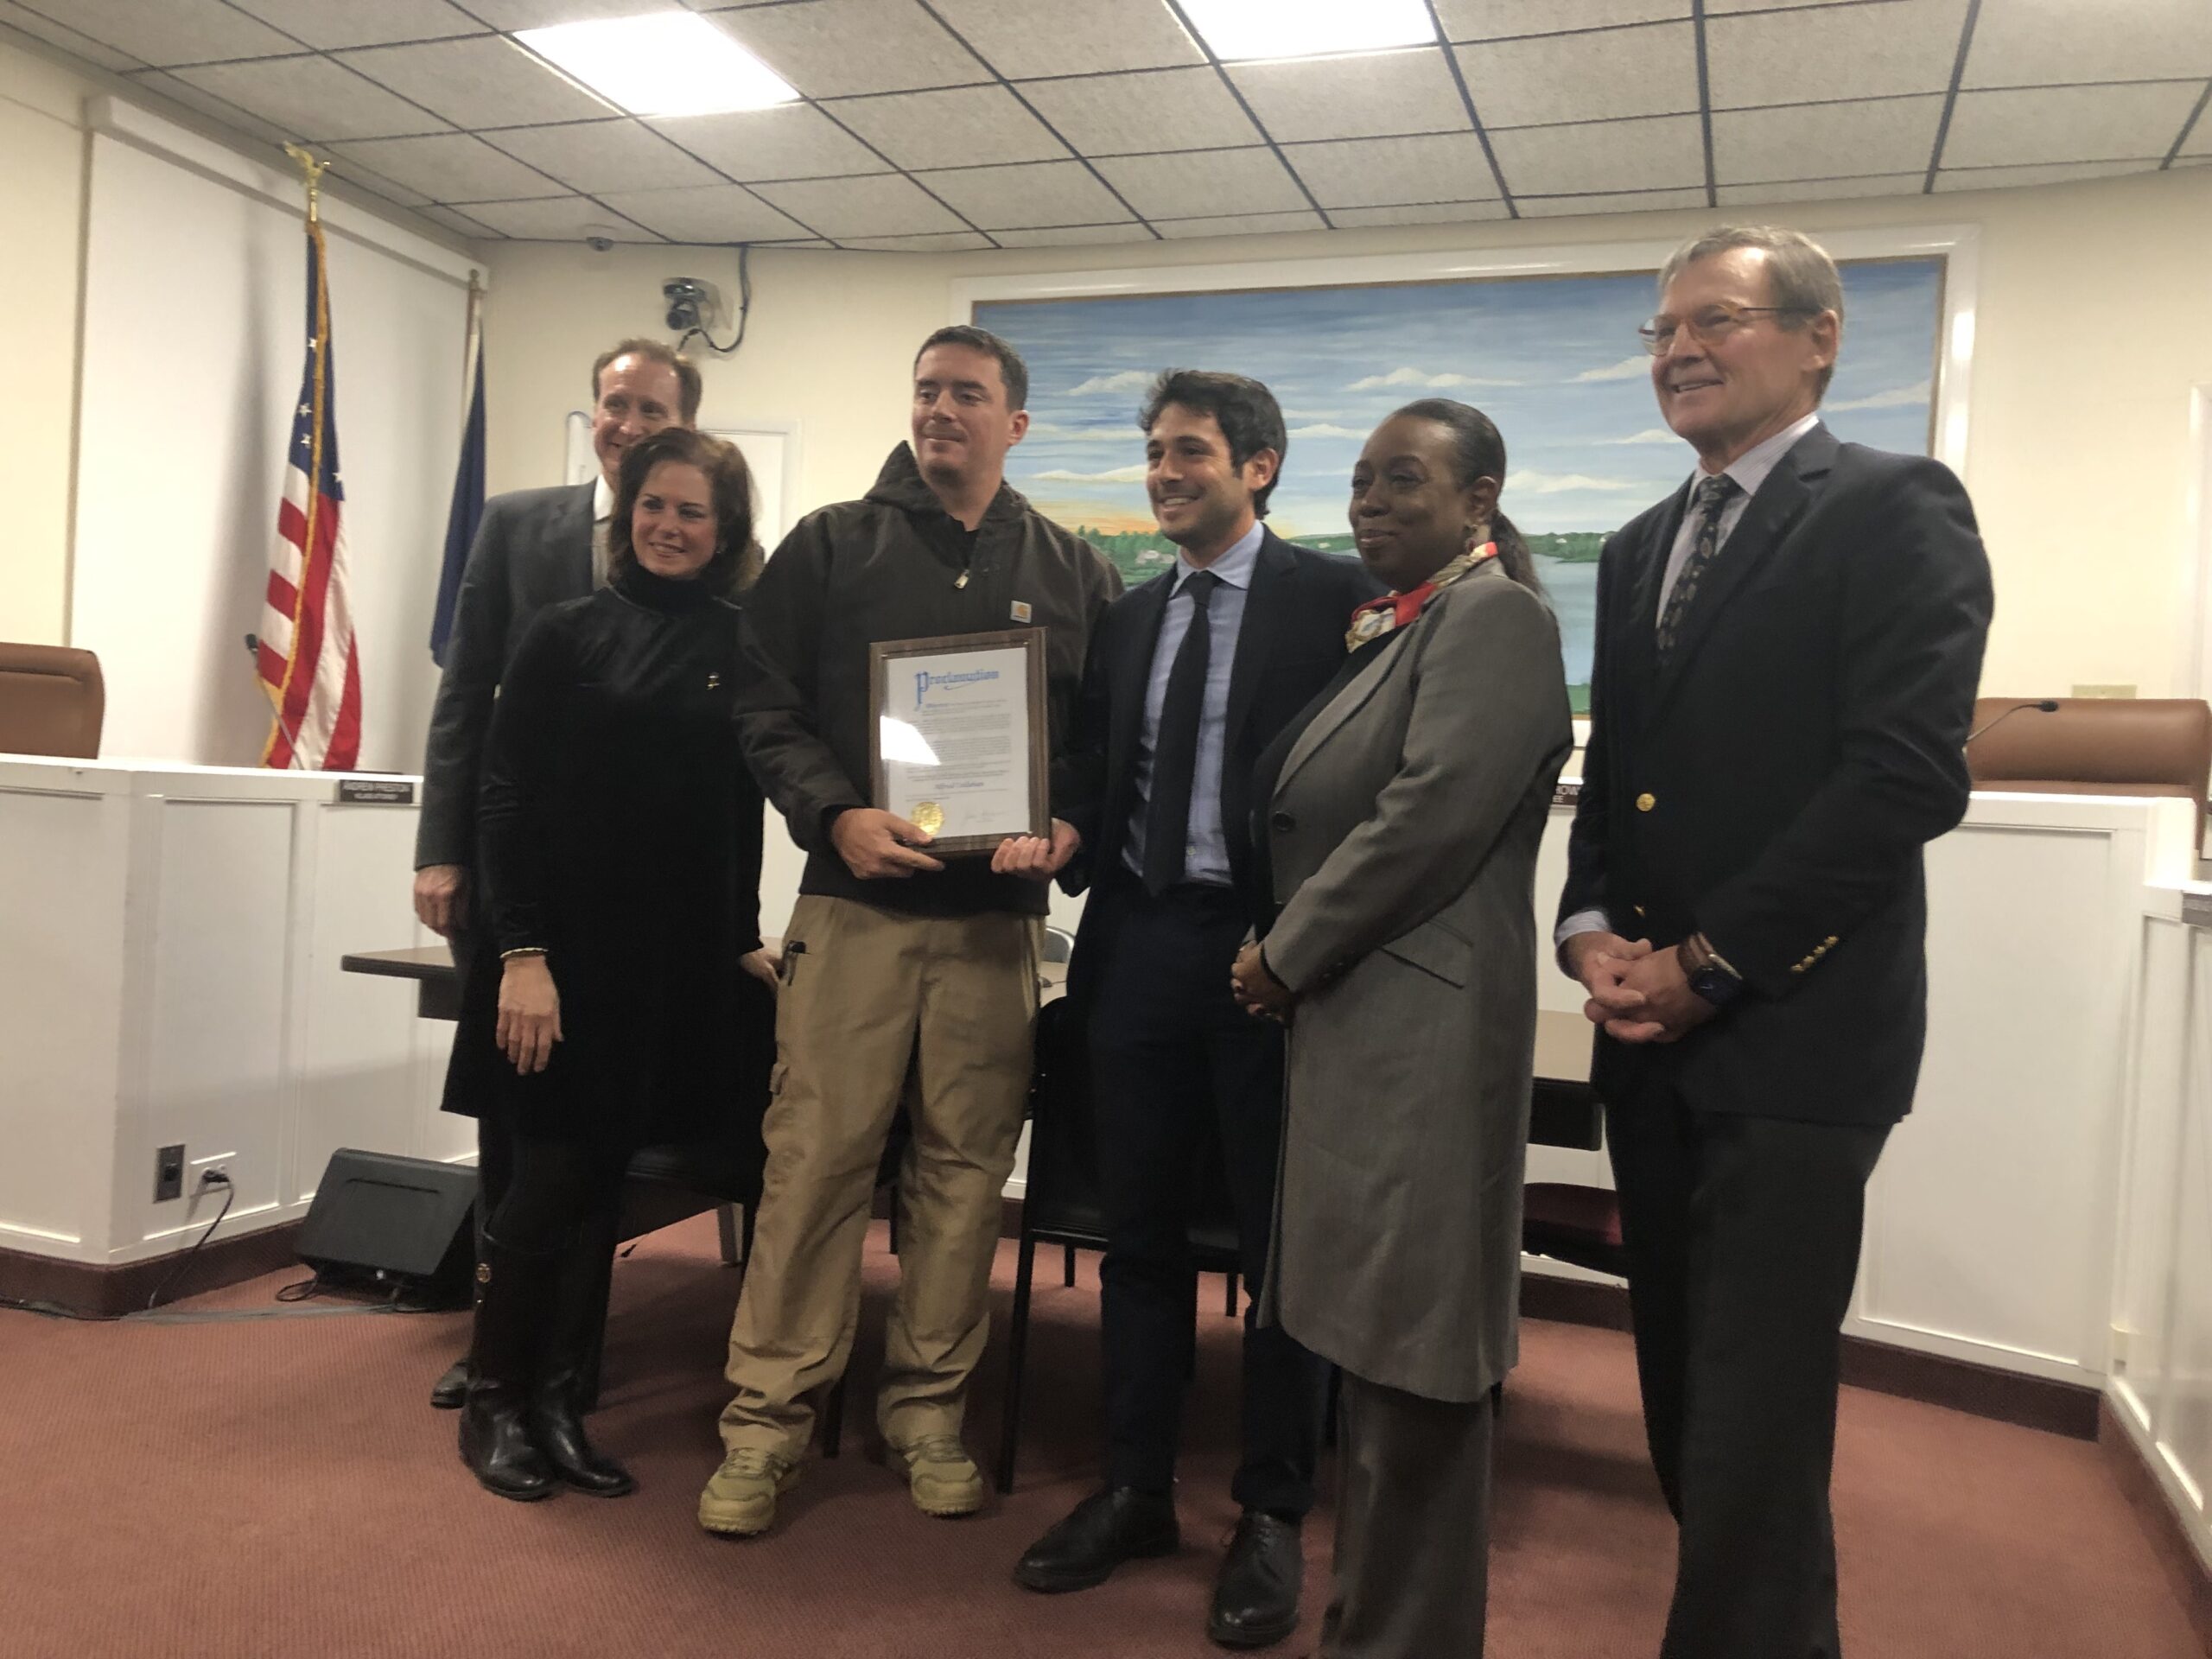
1175, 754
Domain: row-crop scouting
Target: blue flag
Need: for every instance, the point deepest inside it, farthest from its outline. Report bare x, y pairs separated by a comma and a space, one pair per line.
466, 513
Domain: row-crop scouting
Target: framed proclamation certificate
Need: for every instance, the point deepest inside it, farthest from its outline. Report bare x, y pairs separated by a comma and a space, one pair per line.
958, 739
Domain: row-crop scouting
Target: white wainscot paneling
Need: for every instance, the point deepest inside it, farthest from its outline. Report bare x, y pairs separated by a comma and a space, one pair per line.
2183, 1425
1988, 1220
211, 974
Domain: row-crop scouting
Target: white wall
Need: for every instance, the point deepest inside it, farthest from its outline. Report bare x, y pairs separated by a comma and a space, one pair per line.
2095, 325
195, 301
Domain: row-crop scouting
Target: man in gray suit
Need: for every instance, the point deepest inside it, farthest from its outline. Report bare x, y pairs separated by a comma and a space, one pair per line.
533, 548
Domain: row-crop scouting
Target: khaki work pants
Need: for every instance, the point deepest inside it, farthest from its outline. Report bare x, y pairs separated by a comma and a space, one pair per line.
871, 993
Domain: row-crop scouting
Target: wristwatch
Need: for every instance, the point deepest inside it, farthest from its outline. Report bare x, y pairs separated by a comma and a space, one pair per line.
1708, 972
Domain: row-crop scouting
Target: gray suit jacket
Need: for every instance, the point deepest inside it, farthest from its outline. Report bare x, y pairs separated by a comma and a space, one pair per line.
1403, 831
533, 549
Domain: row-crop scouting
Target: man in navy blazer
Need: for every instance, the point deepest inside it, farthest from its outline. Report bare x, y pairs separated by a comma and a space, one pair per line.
1189, 678
1787, 655
533, 548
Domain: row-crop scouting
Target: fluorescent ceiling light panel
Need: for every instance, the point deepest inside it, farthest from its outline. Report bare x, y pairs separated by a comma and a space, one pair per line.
668, 63
1244, 31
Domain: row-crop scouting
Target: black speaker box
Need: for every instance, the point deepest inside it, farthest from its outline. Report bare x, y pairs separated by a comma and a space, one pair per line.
381, 1216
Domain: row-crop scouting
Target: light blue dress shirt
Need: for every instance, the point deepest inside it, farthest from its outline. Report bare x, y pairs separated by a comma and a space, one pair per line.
1206, 855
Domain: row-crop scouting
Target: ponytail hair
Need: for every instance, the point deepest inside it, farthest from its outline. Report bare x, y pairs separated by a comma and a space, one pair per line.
1478, 451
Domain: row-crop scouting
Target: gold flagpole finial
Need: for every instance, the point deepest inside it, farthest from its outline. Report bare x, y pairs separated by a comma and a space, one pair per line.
312, 170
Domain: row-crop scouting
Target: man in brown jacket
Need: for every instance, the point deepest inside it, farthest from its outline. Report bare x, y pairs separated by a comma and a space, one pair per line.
894, 959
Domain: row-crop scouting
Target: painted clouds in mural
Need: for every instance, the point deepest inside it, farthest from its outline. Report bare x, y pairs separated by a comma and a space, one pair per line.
1553, 361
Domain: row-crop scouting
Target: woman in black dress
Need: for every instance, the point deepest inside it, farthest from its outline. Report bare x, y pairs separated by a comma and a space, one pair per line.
627, 1000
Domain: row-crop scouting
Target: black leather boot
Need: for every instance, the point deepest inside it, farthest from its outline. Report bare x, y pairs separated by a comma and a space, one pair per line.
452, 1386
511, 1315
567, 1385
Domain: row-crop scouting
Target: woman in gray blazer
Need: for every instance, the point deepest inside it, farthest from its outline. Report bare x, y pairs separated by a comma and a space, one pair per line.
1400, 817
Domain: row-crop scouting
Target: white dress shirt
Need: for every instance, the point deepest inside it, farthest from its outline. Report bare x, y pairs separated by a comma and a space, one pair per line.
1205, 853
602, 522
1749, 470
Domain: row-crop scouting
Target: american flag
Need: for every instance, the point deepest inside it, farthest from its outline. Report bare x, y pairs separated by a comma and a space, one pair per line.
308, 662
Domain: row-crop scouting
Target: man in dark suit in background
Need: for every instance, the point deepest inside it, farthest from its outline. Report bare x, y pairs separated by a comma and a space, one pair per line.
1787, 654
1189, 678
533, 548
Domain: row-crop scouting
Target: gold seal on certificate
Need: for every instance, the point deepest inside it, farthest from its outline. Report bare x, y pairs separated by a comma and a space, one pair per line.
959, 736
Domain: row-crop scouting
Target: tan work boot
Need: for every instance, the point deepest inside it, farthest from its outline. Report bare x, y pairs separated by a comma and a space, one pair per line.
741, 1499
942, 1476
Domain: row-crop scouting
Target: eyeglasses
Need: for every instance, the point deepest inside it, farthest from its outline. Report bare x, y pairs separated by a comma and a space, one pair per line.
1711, 325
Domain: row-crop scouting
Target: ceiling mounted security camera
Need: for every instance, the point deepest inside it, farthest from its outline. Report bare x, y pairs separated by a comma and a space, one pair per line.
691, 302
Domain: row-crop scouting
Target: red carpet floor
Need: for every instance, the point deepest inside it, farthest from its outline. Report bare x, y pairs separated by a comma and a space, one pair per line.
278, 1487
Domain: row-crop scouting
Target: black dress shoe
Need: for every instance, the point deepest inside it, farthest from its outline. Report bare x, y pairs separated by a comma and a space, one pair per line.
1256, 1598
1108, 1527
451, 1389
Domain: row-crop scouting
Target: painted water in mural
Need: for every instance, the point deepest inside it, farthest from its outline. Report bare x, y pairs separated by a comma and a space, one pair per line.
1553, 361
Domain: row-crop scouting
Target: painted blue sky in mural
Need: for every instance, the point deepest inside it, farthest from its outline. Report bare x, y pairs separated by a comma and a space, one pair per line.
1554, 361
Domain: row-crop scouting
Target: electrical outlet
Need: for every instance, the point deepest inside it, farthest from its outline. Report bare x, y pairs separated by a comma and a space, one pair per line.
169, 1173
2104, 691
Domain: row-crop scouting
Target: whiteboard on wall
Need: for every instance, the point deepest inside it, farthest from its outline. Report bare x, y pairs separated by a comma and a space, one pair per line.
195, 277
771, 450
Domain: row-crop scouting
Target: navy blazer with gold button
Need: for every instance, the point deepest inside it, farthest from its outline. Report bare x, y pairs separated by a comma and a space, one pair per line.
1773, 783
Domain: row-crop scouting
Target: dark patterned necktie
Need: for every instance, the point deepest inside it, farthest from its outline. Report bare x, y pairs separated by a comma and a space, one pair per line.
1175, 752
1711, 499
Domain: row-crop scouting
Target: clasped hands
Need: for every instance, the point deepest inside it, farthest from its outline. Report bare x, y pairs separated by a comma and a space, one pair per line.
1256, 990
1637, 995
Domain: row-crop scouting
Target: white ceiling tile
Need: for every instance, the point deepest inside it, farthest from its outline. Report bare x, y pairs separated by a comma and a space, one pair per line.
545, 14
369, 179
40, 27
1181, 229
557, 219
963, 126
1189, 184
1164, 109
329, 24
314, 96
1871, 51
1369, 95
1558, 77
212, 108
598, 156
2199, 141
1487, 20
453, 219
481, 82
169, 31
1993, 178
2067, 123
831, 48
1417, 213
448, 166
937, 241
795, 141
1662, 154
1383, 172
1622, 202
720, 213
1712, 7
887, 205
1878, 184
1825, 141
1089, 38
1027, 195
1072, 236
2048, 42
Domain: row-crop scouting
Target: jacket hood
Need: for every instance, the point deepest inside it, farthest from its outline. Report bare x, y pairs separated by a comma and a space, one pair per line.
900, 485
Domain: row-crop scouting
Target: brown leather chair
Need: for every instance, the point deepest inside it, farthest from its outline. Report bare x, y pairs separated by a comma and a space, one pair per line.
52, 700
2091, 745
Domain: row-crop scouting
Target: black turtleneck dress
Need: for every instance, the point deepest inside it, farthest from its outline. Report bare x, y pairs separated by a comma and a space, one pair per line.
621, 831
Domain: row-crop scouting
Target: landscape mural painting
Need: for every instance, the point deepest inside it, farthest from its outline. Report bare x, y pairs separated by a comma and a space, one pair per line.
1553, 361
